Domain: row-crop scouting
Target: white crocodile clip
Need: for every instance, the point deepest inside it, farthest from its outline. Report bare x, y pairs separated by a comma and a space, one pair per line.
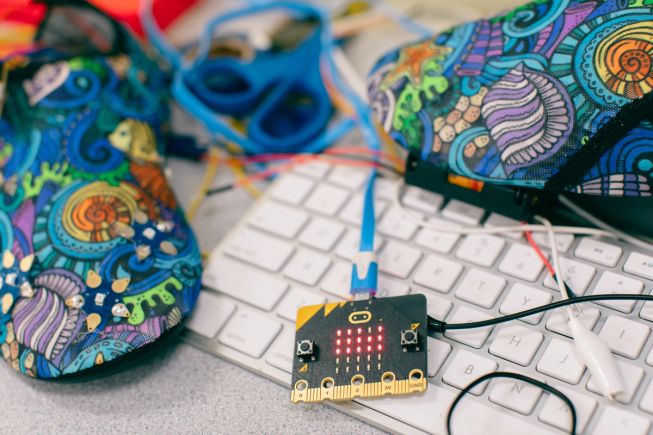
596, 354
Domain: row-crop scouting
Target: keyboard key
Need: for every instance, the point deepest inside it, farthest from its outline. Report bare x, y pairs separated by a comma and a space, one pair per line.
389, 287
612, 283
438, 353
559, 360
436, 306
559, 323
598, 252
619, 421
291, 188
307, 266
258, 249
349, 177
649, 358
313, 169
253, 341
396, 224
295, 298
521, 261
647, 311
278, 219
385, 189
480, 288
516, 343
437, 241
428, 411
482, 250
244, 282
462, 212
281, 353
632, 376
338, 281
211, 313
467, 367
497, 220
640, 265
349, 244
422, 200
438, 273
577, 275
646, 403
353, 211
516, 395
321, 233
556, 412
521, 298
471, 337
625, 337
398, 260
563, 241
326, 199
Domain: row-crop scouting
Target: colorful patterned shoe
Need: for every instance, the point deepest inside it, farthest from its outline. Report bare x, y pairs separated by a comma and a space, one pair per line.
554, 95
98, 259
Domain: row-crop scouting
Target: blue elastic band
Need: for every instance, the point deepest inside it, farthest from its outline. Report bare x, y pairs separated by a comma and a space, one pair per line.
195, 106
366, 283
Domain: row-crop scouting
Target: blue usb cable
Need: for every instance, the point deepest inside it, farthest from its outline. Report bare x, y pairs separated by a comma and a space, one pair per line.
365, 269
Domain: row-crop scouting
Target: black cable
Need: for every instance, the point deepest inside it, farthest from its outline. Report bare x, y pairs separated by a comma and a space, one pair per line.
220, 189
517, 376
439, 326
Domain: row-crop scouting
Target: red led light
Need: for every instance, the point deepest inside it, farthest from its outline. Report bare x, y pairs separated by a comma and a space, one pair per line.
358, 340
380, 338
379, 347
349, 332
358, 349
338, 333
338, 342
369, 348
348, 350
380, 328
337, 351
359, 331
369, 339
349, 341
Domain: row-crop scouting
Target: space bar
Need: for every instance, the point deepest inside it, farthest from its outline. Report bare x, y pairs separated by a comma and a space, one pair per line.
428, 412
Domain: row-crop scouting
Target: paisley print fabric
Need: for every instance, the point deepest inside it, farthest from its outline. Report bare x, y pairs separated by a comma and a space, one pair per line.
512, 99
97, 259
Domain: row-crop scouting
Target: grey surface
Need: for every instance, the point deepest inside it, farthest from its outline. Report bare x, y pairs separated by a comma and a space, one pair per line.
179, 390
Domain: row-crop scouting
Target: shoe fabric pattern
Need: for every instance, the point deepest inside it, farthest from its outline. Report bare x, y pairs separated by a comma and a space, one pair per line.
97, 257
512, 98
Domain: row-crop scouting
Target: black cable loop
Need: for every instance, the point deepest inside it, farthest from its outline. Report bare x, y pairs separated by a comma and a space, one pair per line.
517, 376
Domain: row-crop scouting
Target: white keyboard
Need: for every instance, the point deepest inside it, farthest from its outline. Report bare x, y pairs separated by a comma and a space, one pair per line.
294, 248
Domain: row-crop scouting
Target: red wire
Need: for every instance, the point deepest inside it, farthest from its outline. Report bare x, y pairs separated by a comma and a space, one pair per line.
264, 158
299, 160
538, 251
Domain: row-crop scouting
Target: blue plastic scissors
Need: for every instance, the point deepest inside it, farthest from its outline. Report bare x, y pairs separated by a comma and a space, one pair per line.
280, 92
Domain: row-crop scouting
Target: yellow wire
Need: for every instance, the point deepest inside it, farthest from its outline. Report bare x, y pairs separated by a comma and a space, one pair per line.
209, 176
239, 173
391, 148
237, 166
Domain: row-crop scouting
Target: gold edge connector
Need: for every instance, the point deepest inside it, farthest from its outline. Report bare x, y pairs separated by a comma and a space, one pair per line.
365, 390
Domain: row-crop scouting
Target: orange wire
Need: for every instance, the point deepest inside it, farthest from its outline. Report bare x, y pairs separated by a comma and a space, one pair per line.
304, 159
